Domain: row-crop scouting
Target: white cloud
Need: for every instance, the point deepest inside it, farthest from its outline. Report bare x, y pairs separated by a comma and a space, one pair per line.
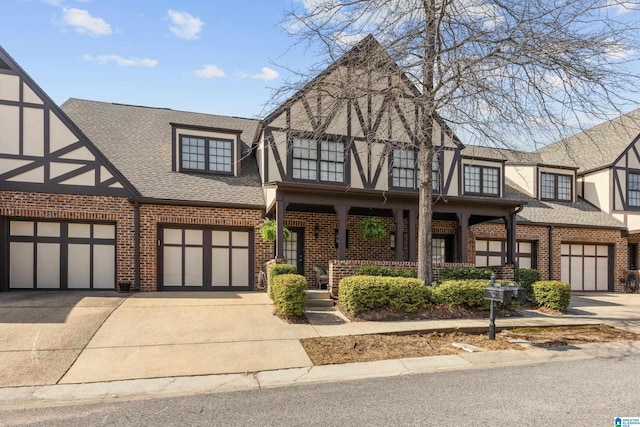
53, 2
119, 60
209, 71
266, 74
622, 6
184, 25
84, 23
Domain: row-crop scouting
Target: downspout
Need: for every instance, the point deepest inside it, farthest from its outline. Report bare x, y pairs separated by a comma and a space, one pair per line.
550, 252
136, 244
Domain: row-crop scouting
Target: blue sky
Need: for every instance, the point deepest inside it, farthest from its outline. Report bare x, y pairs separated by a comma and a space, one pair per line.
208, 56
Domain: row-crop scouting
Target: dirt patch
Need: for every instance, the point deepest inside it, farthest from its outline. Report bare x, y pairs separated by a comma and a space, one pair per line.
366, 348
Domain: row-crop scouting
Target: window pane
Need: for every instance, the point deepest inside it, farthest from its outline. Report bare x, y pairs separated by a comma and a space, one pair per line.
304, 159
547, 186
633, 185
490, 180
331, 161
193, 153
220, 155
471, 179
564, 187
403, 169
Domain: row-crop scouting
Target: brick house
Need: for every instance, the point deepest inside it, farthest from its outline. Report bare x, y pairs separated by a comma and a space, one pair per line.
93, 193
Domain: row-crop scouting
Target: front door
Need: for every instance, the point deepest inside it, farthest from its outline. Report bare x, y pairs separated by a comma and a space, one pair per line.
294, 248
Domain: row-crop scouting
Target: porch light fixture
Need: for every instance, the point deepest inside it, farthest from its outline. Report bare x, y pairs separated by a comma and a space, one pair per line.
316, 231
393, 239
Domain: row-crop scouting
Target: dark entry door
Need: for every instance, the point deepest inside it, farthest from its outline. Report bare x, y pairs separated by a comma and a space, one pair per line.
633, 256
294, 248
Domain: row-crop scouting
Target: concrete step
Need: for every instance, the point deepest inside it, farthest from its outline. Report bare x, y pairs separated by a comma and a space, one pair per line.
315, 302
317, 294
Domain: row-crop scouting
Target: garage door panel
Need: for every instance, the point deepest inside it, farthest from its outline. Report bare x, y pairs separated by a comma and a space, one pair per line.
21, 265
79, 266
240, 272
589, 278
603, 274
48, 265
576, 269
220, 266
104, 266
172, 266
193, 266
564, 269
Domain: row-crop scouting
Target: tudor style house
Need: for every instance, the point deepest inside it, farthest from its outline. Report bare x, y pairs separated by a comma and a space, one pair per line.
93, 194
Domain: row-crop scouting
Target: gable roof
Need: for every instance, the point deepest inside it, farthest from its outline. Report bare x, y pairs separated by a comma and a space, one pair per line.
363, 51
50, 153
596, 147
138, 141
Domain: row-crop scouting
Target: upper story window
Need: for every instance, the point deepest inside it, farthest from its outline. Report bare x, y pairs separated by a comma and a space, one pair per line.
206, 154
482, 180
405, 172
556, 187
633, 189
325, 166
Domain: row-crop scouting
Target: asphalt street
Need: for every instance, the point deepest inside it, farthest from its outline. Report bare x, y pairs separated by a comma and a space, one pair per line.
588, 392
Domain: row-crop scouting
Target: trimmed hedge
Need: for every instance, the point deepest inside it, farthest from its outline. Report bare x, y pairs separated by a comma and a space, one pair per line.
552, 294
278, 269
465, 273
358, 294
469, 293
289, 294
526, 277
378, 270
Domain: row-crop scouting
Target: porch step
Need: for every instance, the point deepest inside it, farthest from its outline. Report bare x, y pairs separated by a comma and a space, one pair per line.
318, 298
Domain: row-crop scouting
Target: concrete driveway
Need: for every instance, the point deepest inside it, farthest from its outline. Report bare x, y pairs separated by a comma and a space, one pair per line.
78, 337
43, 333
81, 337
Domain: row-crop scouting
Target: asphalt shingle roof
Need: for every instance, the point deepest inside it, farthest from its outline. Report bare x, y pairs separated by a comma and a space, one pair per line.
579, 213
137, 141
596, 147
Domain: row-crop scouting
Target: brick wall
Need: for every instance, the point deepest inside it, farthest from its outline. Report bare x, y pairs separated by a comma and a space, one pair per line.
65, 207
319, 251
540, 234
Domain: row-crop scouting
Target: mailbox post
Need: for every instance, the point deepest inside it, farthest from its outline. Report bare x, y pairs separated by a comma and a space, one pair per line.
495, 292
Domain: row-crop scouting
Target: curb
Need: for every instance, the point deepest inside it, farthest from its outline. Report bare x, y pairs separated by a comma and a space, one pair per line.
69, 394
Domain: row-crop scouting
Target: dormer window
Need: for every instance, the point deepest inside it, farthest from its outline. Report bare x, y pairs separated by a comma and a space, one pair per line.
556, 187
481, 180
206, 154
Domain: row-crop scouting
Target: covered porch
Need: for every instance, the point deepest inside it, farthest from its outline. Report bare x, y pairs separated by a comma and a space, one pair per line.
325, 223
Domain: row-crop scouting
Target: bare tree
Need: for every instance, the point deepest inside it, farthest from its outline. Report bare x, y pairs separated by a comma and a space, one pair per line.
501, 73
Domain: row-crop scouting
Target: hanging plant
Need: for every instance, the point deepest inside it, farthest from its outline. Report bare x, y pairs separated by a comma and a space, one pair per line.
372, 229
269, 230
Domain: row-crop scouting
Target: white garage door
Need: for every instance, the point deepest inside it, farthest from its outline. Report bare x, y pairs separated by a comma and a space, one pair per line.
585, 267
61, 255
205, 259
494, 253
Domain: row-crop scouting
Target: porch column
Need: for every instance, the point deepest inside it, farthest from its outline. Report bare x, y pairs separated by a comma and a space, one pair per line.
463, 228
413, 214
399, 215
342, 212
510, 222
281, 207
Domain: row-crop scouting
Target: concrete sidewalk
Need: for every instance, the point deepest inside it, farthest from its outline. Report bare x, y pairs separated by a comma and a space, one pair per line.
195, 342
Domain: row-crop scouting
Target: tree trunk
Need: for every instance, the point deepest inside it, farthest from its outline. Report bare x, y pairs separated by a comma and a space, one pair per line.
425, 144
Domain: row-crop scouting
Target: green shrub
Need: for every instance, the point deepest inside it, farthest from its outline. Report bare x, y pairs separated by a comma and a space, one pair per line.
358, 294
552, 294
465, 273
289, 294
526, 277
469, 293
278, 269
378, 270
